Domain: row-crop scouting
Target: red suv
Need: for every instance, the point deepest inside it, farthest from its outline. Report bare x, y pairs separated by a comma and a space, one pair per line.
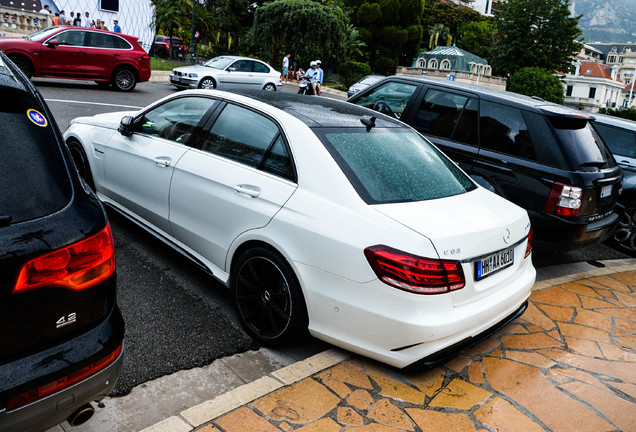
80, 53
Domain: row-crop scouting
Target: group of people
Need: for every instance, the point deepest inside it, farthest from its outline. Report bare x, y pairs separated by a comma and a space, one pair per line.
315, 74
77, 21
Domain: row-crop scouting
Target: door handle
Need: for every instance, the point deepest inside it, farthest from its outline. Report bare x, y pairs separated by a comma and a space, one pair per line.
116, 55
248, 190
162, 161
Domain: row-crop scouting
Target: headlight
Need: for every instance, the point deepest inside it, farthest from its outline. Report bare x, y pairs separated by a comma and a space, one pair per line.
193, 75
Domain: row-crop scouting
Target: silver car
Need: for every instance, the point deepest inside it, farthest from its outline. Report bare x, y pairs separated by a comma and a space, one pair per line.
227, 73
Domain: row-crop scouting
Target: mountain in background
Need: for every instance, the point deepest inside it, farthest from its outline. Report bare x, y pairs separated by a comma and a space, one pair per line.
606, 20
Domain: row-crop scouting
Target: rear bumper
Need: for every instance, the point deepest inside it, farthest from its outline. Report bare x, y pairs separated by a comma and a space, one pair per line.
555, 233
53, 409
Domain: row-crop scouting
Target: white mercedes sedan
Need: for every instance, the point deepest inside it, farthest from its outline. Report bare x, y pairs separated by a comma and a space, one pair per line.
318, 215
227, 73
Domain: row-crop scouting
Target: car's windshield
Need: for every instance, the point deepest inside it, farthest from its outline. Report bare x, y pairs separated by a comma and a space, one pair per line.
42, 34
393, 165
218, 62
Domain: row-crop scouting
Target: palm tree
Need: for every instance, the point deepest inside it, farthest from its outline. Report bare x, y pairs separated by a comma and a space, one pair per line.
353, 44
170, 15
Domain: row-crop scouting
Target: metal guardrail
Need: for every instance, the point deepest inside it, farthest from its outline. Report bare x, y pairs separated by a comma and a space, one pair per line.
16, 22
460, 76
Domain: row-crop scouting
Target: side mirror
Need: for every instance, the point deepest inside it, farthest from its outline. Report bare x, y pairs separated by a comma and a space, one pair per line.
52, 43
231, 69
126, 127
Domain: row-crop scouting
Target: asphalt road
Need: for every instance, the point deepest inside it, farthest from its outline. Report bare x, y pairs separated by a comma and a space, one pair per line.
177, 317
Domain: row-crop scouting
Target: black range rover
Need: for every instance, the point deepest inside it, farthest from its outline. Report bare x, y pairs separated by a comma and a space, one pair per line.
61, 332
543, 157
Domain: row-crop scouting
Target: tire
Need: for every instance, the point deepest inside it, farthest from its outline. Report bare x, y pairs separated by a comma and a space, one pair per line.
624, 238
269, 87
207, 83
24, 65
124, 79
267, 297
81, 162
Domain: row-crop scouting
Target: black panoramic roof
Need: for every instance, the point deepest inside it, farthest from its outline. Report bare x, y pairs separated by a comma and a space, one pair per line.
321, 111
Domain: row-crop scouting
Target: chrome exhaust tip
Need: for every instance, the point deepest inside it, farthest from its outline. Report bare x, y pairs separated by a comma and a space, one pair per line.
81, 415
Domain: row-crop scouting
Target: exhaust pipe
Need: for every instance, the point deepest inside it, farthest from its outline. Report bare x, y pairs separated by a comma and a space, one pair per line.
81, 415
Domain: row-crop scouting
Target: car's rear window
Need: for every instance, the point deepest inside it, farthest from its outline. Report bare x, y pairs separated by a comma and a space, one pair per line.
620, 141
34, 180
582, 143
393, 165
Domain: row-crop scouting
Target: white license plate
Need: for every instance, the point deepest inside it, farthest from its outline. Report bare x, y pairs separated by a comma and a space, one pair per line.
493, 263
606, 191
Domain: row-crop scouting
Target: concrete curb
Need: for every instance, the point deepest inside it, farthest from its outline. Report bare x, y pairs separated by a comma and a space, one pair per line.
205, 412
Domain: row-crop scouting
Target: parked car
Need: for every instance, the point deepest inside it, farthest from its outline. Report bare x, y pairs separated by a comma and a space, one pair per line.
543, 157
620, 136
364, 83
80, 53
317, 214
61, 332
161, 47
227, 73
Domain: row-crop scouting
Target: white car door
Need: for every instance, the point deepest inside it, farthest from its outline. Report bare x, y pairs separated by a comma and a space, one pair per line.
242, 77
138, 169
240, 178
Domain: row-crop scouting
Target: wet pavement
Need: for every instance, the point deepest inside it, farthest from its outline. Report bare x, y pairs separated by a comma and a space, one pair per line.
568, 364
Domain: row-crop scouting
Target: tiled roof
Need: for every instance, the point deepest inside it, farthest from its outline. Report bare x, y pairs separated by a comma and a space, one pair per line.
596, 70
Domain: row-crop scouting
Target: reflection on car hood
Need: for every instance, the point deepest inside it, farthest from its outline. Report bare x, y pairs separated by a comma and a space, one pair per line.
107, 120
463, 226
197, 69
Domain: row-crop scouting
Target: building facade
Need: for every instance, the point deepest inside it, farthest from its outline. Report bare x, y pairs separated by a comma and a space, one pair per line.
135, 16
593, 85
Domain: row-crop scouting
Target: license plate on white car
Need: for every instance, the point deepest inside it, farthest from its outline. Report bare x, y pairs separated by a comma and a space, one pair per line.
493, 263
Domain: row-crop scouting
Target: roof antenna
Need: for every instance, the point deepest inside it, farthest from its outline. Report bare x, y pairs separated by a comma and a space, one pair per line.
370, 123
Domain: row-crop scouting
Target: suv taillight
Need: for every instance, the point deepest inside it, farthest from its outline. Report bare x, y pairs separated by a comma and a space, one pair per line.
75, 267
413, 273
564, 200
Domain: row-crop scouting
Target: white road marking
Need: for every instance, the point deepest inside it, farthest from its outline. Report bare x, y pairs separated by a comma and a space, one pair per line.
92, 103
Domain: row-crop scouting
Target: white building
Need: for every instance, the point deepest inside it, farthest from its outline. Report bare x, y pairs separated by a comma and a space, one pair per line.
134, 16
594, 85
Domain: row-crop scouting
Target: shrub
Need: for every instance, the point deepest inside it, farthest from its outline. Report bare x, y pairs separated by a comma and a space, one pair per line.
536, 82
353, 72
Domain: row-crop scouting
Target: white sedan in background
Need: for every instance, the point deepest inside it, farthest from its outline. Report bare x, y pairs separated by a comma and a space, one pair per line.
227, 73
318, 215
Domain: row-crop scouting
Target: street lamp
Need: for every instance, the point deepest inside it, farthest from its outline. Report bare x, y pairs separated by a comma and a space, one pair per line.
193, 41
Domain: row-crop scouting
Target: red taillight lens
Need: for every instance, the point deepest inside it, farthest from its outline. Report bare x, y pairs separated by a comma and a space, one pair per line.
564, 200
145, 57
76, 267
529, 245
413, 273
62, 383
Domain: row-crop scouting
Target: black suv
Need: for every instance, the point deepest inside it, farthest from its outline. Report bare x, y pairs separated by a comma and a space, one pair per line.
61, 332
544, 157
620, 136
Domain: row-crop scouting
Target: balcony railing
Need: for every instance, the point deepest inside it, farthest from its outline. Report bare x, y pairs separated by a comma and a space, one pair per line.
16, 22
460, 76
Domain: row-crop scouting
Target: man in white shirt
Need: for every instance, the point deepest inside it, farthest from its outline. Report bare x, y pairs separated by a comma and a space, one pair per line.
87, 20
45, 10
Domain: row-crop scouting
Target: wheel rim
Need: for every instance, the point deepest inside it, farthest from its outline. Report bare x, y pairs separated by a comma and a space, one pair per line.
125, 79
263, 297
23, 67
80, 161
269, 87
207, 84
625, 233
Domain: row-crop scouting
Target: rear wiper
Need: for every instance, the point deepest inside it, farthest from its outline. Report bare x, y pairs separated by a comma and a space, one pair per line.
5, 220
597, 164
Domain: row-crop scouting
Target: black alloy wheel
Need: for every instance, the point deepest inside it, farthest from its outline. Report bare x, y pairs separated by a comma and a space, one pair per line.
267, 297
124, 79
81, 162
625, 234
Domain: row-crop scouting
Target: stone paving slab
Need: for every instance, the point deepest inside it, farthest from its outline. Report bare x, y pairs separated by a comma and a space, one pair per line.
568, 364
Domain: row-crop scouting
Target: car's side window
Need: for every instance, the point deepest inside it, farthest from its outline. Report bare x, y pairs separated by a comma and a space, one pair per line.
503, 129
620, 142
448, 115
175, 120
71, 38
242, 66
260, 67
390, 98
103, 40
247, 137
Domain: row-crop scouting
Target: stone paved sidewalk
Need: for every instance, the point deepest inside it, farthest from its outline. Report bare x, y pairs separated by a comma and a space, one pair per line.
568, 364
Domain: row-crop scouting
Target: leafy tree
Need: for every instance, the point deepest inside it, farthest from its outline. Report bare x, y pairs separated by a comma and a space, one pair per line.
477, 37
539, 82
439, 34
353, 43
391, 29
234, 18
535, 33
305, 28
448, 15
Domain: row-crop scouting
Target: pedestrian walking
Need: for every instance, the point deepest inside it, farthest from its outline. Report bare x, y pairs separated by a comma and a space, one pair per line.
88, 23
63, 20
56, 19
45, 10
116, 28
77, 21
286, 68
